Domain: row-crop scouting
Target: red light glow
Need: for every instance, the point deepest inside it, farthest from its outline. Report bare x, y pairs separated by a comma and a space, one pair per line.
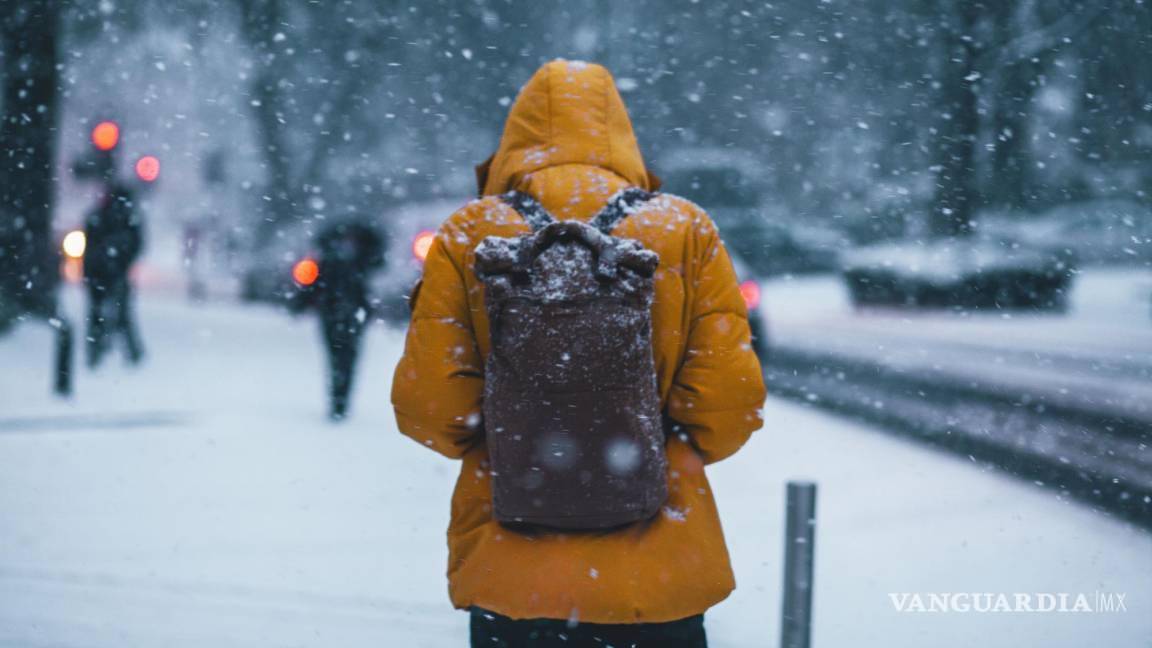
148, 168
106, 135
306, 272
750, 291
422, 243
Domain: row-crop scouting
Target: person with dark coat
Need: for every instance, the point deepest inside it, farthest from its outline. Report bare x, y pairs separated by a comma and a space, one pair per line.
348, 254
115, 237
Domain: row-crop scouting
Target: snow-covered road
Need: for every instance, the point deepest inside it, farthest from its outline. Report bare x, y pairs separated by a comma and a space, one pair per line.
204, 500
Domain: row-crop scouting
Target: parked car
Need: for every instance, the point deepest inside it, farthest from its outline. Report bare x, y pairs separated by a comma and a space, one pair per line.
771, 248
729, 185
1095, 232
751, 289
268, 274
972, 272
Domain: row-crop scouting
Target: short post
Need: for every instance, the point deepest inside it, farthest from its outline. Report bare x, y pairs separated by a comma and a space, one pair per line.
63, 373
799, 552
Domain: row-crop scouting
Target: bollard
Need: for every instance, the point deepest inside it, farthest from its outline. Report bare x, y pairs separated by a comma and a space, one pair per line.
799, 552
63, 373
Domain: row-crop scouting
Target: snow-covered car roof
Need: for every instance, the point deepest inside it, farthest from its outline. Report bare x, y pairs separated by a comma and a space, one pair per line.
944, 261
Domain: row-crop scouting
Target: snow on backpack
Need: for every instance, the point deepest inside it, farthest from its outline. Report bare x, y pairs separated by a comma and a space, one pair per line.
571, 407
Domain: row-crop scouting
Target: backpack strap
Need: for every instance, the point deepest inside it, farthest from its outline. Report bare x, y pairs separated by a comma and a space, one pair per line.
532, 212
621, 204
618, 208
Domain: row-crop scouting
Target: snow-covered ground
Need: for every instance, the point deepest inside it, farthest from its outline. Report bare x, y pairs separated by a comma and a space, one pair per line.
203, 500
1097, 355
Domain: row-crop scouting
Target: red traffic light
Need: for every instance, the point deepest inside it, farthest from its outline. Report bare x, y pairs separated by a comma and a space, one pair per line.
106, 135
148, 168
306, 272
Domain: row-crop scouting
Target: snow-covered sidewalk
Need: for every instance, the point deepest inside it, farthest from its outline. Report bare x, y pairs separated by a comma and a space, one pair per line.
203, 500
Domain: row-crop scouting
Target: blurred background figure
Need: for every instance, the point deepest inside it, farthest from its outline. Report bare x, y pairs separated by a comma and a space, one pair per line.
194, 260
115, 238
201, 232
335, 283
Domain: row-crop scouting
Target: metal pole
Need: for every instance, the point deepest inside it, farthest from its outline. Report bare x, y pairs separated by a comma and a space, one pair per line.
63, 373
799, 551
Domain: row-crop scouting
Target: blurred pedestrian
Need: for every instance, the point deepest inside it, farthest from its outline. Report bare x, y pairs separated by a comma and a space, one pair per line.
115, 237
194, 234
348, 254
555, 540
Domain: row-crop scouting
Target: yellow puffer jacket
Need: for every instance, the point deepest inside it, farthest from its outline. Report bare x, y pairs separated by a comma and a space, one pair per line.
569, 143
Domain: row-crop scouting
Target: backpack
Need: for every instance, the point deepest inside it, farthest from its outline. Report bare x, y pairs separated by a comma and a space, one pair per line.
571, 406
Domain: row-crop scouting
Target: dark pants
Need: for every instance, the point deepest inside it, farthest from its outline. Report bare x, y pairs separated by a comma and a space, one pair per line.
342, 337
110, 315
491, 630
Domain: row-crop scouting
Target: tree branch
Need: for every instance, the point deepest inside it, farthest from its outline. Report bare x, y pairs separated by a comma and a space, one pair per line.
1030, 44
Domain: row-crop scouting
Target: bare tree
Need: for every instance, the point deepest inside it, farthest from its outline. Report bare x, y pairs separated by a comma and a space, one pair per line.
28, 274
990, 45
316, 66
271, 81
957, 121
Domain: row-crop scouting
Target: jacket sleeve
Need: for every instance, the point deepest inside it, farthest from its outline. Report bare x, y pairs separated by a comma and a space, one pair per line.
438, 385
718, 390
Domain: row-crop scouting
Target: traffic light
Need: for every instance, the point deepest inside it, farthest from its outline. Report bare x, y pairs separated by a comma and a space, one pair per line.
106, 135
99, 162
306, 272
148, 168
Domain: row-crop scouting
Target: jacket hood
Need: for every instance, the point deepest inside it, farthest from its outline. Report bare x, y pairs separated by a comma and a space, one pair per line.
569, 112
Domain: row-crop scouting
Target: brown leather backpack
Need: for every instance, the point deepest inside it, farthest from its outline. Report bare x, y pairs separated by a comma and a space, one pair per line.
571, 407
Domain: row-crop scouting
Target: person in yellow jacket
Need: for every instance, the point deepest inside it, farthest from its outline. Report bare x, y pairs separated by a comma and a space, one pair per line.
569, 144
